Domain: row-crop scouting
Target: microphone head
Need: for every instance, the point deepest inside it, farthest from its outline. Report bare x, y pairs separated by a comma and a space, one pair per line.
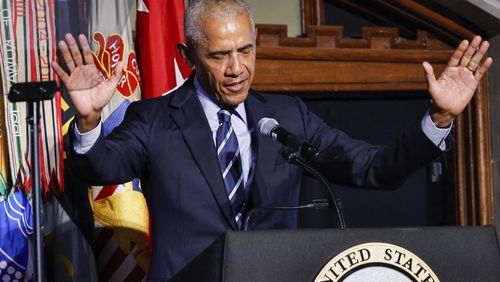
266, 125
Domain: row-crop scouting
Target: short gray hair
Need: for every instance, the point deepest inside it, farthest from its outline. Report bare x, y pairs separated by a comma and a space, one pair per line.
197, 10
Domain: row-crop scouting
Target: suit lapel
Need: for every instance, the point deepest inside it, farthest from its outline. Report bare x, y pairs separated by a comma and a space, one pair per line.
190, 118
265, 147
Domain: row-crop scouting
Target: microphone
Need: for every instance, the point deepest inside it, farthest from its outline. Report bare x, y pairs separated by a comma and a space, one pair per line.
305, 151
300, 153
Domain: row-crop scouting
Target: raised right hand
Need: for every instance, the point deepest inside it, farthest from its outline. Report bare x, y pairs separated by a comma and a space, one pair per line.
88, 89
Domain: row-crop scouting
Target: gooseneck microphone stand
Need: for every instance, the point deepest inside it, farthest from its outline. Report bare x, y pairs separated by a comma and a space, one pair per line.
33, 93
297, 159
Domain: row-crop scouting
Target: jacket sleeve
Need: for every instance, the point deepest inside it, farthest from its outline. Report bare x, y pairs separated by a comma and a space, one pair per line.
117, 158
354, 162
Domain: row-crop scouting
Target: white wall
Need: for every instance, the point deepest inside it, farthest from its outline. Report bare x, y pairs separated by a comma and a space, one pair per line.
278, 12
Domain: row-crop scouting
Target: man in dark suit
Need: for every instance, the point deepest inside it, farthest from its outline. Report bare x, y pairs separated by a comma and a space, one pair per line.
198, 152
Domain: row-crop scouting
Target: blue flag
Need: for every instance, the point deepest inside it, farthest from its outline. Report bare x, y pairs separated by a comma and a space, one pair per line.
16, 228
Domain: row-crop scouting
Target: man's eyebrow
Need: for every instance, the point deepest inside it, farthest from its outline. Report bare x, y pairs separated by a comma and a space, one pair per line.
220, 52
225, 52
248, 46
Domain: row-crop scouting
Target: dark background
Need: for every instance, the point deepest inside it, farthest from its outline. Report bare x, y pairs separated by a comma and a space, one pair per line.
377, 118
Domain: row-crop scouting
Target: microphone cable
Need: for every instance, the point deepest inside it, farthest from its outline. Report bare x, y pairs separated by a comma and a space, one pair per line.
294, 159
316, 204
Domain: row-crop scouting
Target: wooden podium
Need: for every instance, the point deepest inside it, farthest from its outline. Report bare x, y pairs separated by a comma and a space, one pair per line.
420, 254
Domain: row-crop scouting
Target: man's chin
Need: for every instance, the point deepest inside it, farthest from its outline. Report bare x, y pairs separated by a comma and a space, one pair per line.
234, 99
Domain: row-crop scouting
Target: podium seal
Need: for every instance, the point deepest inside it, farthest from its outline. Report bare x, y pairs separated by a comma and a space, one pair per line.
376, 262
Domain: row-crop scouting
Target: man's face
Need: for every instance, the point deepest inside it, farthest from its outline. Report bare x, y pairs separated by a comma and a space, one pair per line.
224, 58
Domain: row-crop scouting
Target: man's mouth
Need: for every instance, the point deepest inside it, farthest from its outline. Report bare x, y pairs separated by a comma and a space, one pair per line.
236, 86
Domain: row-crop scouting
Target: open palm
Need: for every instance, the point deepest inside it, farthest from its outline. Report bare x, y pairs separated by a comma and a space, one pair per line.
454, 88
88, 89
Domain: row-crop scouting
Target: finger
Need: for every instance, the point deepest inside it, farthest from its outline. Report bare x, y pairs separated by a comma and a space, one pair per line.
60, 72
74, 50
117, 73
455, 58
429, 73
86, 51
483, 68
464, 61
68, 60
478, 56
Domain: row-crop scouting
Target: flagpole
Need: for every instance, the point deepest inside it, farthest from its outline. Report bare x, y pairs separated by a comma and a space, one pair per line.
33, 121
34, 93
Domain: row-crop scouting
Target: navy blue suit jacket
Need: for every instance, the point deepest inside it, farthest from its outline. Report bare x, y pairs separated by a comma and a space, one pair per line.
167, 142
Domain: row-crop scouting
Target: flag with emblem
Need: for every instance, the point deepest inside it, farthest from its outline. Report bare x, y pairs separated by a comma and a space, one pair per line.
121, 234
122, 243
159, 29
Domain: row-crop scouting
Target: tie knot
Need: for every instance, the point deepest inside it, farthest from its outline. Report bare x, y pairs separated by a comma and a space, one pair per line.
224, 115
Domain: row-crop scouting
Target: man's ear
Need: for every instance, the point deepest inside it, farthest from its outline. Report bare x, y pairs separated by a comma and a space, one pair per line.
185, 54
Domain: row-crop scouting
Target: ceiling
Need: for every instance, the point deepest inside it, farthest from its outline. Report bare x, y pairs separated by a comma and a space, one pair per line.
478, 15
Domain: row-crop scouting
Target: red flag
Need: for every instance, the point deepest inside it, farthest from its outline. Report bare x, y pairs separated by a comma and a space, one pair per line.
159, 29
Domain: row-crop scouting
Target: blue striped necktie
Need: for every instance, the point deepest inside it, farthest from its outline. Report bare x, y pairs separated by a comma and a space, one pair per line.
230, 164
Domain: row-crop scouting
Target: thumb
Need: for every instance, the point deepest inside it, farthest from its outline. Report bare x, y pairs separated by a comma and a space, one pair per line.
429, 73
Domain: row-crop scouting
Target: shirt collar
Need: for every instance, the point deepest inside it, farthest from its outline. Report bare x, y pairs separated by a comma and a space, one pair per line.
212, 106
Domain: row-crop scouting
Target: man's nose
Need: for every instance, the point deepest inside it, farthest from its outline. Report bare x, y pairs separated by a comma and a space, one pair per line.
234, 67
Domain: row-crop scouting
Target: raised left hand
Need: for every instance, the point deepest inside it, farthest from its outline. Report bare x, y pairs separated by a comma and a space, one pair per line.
453, 90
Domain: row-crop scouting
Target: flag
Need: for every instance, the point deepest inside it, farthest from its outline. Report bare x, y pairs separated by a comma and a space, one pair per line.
16, 230
4, 154
159, 29
121, 251
123, 245
68, 221
27, 46
68, 253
